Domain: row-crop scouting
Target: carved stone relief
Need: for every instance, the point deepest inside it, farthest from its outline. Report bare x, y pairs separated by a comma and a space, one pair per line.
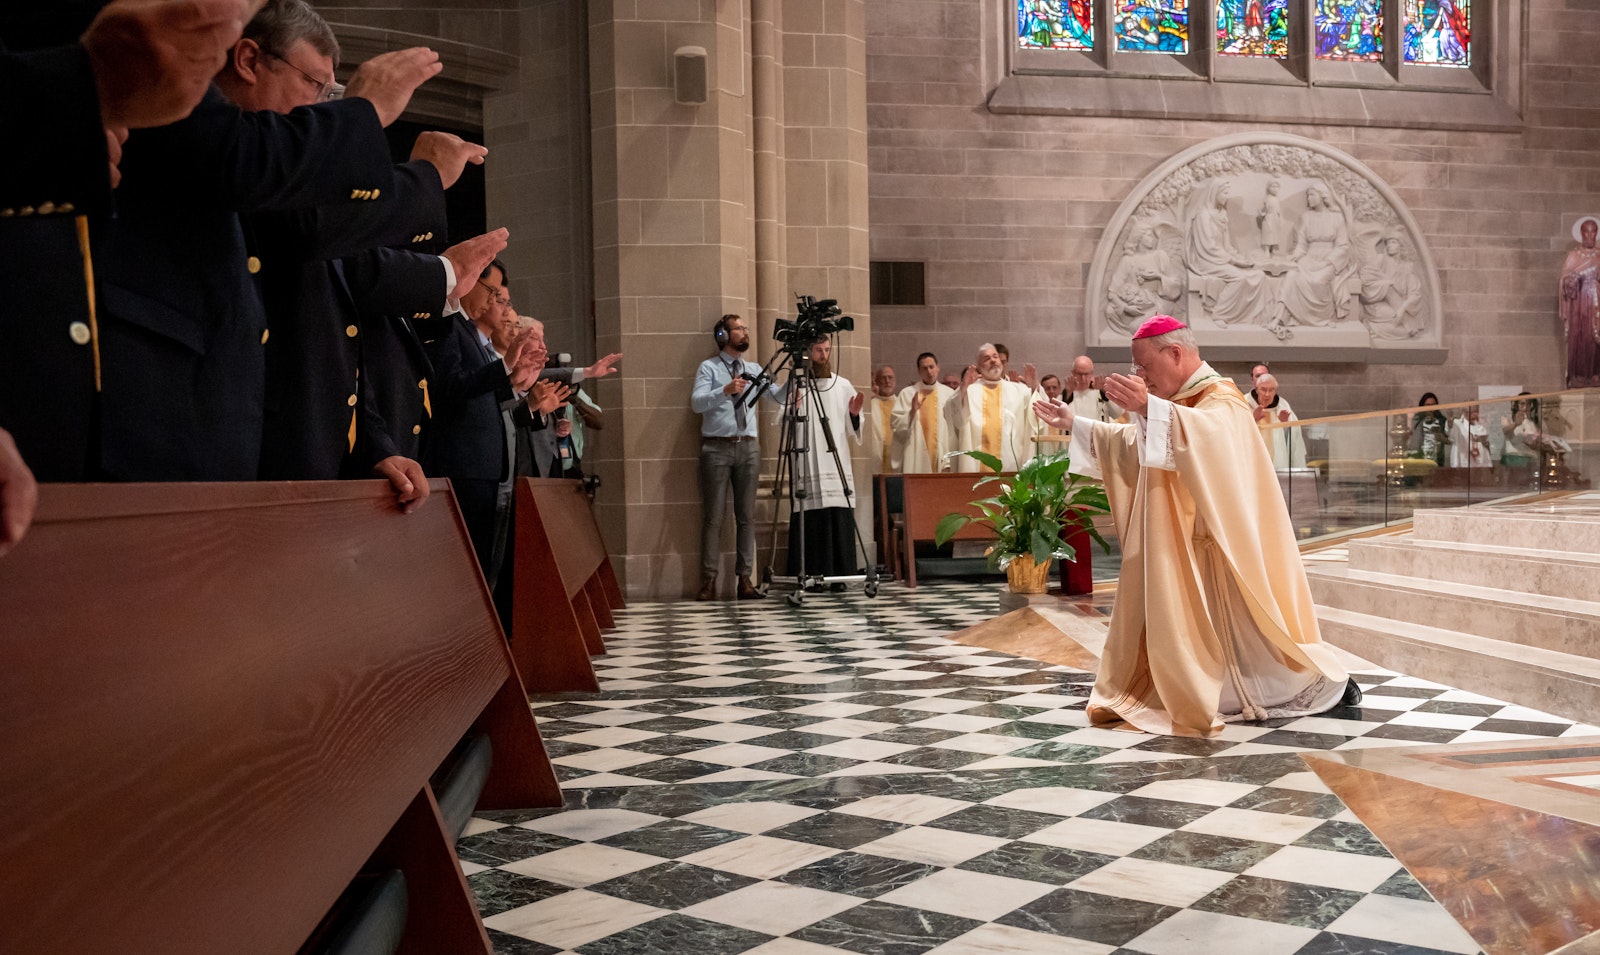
1261, 239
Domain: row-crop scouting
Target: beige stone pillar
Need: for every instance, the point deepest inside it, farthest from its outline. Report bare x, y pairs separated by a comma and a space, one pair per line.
695, 215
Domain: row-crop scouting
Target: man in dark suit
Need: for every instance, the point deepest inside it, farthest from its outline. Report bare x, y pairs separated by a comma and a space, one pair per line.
136, 65
182, 321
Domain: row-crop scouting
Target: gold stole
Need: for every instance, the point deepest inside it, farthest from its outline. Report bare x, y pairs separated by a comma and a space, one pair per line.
885, 409
993, 417
928, 417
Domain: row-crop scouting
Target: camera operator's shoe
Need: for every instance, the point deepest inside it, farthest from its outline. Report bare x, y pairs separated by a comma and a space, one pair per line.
748, 591
708, 590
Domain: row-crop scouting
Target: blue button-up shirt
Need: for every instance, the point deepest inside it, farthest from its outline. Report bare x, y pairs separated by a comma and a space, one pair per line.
714, 407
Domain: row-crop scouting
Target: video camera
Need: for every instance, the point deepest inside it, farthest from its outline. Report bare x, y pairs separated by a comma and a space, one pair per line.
813, 322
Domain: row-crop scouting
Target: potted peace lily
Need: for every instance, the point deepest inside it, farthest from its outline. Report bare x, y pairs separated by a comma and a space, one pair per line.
1027, 516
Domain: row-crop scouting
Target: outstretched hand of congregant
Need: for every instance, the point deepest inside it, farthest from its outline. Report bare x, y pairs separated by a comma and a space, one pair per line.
603, 367
471, 257
546, 396
406, 477
1129, 392
388, 80
19, 494
448, 153
1030, 376
1053, 412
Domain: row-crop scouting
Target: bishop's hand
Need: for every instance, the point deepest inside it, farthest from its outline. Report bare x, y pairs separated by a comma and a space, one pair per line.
1053, 412
1130, 393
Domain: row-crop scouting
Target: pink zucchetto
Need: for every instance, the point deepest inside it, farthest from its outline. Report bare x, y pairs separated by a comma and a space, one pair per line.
1158, 325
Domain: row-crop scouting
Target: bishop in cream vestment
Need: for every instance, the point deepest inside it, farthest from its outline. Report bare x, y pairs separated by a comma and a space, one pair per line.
1213, 617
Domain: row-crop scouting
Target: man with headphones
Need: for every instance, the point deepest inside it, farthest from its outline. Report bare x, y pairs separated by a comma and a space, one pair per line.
730, 455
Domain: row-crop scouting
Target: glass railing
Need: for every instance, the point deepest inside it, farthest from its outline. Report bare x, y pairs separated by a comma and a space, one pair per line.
1350, 473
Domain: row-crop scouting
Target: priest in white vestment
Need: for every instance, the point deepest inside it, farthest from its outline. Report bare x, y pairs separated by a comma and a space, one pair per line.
921, 422
829, 496
885, 447
1213, 618
994, 415
1286, 445
1086, 396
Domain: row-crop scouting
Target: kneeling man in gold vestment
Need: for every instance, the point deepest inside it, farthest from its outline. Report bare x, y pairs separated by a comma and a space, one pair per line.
1213, 618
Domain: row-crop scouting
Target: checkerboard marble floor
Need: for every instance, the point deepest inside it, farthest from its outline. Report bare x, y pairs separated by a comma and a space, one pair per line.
842, 777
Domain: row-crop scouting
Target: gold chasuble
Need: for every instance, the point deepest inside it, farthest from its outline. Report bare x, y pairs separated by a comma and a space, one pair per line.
992, 419
1213, 616
996, 417
886, 429
884, 446
926, 438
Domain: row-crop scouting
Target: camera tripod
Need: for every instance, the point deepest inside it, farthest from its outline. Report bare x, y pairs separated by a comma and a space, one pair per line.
793, 478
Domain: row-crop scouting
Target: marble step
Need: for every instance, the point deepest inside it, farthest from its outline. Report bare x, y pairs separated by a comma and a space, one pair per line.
1524, 569
1556, 624
1531, 525
1544, 680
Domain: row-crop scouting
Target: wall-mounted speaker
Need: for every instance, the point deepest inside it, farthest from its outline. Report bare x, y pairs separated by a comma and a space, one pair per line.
689, 75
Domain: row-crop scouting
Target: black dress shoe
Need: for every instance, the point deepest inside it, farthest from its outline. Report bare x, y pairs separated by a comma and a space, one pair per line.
1352, 694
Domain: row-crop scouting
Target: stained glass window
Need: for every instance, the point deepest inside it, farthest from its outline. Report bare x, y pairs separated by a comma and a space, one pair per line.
1349, 29
1437, 32
1055, 24
1152, 26
1253, 27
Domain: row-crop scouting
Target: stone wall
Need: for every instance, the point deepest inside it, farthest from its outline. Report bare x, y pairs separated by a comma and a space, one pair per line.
1007, 210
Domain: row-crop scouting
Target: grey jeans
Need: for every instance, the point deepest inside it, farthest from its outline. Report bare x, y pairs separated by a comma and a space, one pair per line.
725, 464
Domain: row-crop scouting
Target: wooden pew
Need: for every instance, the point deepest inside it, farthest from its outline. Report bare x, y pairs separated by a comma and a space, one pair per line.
565, 588
929, 497
219, 702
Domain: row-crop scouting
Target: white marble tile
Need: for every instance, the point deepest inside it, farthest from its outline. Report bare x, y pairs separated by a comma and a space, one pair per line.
1191, 932
609, 736
1374, 699
792, 946
573, 919
1304, 781
476, 825
1404, 921
1278, 827
1116, 739
902, 676
737, 754
942, 704
1073, 718
1049, 701
1008, 762
741, 774
1141, 756
973, 895
831, 710
862, 749
847, 728
993, 939
987, 743
910, 809
750, 817
600, 780
591, 825
471, 868
1527, 715
1330, 726
1206, 792
1480, 736
583, 865
1057, 800
932, 846
604, 760
957, 723
760, 857
1449, 721
775, 908
614, 717
874, 769
1097, 835
727, 732
1339, 870
1160, 882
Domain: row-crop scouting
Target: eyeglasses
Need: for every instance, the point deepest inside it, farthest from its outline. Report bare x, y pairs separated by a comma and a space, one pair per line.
326, 92
1136, 370
495, 295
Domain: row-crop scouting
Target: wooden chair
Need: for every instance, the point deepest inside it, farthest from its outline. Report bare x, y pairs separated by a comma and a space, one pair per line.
220, 702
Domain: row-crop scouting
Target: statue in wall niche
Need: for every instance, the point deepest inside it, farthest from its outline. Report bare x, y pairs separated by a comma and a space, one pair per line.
1321, 280
1391, 292
1232, 288
1147, 281
1580, 306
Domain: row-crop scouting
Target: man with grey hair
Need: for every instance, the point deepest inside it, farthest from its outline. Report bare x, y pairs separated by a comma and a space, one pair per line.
885, 446
993, 414
1213, 618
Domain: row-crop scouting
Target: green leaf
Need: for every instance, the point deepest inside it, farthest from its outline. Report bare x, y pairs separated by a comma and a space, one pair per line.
948, 526
1042, 546
986, 459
